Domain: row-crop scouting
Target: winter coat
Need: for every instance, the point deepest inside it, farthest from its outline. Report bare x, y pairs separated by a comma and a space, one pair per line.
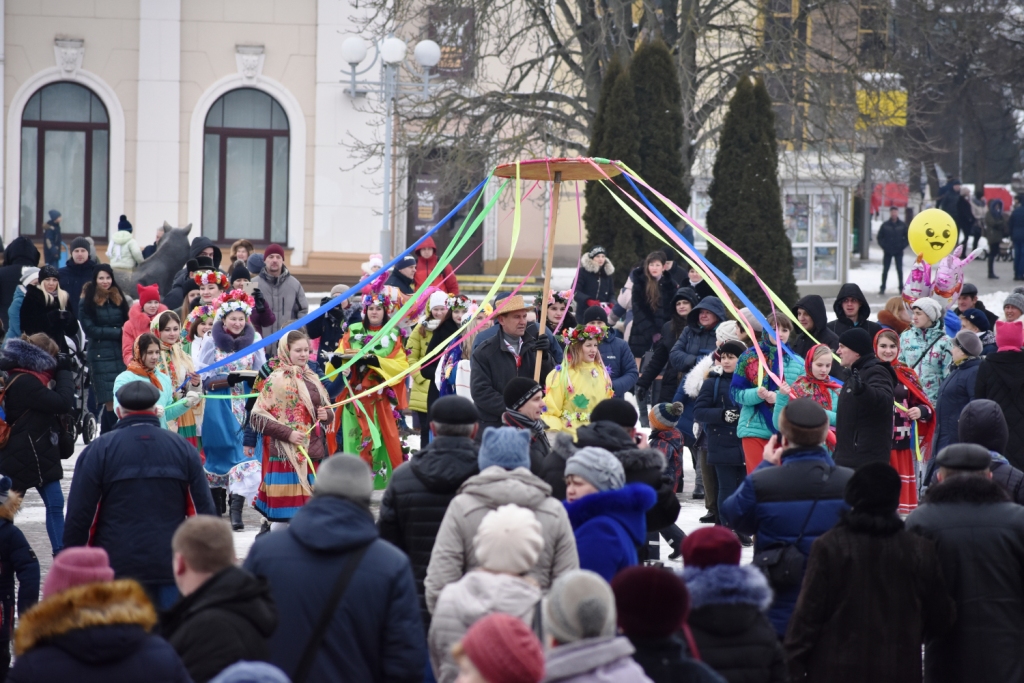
31, 457
453, 554
752, 420
773, 502
468, 600
873, 593
553, 466
648, 320
621, 365
594, 660
417, 497
1015, 224
14, 314
864, 414
103, 326
670, 443
696, 342
73, 278
416, 348
892, 236
842, 323
540, 443
176, 297
109, 482
610, 526
55, 642
996, 229
16, 559
724, 447
375, 634
493, 366
137, 325
19, 254
285, 297
39, 316
1001, 379
593, 285
405, 285
979, 538
446, 278
929, 353
728, 623
166, 397
123, 251
800, 342
664, 660
328, 329
647, 466
956, 392
1008, 476
659, 364
228, 619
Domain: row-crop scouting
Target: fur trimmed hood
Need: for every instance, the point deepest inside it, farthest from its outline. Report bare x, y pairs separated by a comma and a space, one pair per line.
727, 584
588, 264
966, 489
695, 377
11, 506
628, 506
638, 459
21, 354
111, 603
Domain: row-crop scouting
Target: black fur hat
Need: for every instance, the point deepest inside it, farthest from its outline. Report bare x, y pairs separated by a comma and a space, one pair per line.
874, 489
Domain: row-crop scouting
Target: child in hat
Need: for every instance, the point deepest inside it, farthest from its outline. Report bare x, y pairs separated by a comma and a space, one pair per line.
667, 439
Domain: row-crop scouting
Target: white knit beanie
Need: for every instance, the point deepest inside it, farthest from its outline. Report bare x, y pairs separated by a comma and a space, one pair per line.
727, 331
508, 540
930, 307
438, 298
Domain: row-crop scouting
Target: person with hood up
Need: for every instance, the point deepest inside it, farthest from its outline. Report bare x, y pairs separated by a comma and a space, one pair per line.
852, 310
53, 243
996, 230
77, 272
420, 490
16, 559
140, 318
982, 423
90, 628
579, 622
524, 400
375, 633
499, 649
609, 517
1001, 379
47, 308
872, 595
925, 348
426, 260
201, 246
698, 339
976, 321
19, 255
652, 607
660, 364
284, 294
123, 251
813, 330
403, 276
504, 478
958, 389
728, 608
979, 538
864, 414
507, 544
594, 285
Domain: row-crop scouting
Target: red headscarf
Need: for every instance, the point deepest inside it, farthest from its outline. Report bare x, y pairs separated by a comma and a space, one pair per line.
908, 378
809, 386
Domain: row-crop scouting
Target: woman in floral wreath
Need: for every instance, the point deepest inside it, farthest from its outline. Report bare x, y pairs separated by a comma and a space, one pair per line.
579, 383
384, 360
197, 324
292, 415
228, 467
177, 365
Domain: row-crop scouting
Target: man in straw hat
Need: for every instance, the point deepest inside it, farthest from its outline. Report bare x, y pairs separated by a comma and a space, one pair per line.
510, 353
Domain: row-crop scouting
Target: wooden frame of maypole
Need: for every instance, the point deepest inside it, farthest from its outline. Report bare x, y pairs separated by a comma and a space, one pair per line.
555, 171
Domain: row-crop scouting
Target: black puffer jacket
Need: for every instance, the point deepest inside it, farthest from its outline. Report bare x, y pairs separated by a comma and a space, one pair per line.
494, 366
593, 283
801, 343
1001, 379
19, 254
48, 318
842, 323
417, 498
728, 622
696, 342
956, 392
659, 362
102, 326
648, 320
31, 457
864, 414
73, 277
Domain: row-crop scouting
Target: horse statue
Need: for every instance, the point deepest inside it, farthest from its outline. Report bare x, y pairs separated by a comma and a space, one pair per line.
171, 255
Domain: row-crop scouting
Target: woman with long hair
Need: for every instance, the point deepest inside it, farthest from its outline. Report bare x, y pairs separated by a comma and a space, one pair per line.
579, 383
46, 309
815, 384
104, 311
560, 317
649, 295
419, 340
177, 365
197, 324
912, 406
291, 414
143, 368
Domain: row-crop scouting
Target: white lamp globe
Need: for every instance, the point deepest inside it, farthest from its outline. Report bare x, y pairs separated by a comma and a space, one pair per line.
392, 50
427, 53
353, 50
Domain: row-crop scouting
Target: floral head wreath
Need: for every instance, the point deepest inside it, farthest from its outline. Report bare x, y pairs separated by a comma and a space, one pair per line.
582, 333
563, 297
377, 299
200, 313
211, 277
235, 300
458, 301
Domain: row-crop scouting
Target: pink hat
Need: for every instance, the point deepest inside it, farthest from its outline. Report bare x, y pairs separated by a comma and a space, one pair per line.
504, 650
1009, 336
75, 566
273, 249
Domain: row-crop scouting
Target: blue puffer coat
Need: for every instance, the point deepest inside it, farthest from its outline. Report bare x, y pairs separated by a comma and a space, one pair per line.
724, 447
618, 358
956, 392
695, 342
610, 526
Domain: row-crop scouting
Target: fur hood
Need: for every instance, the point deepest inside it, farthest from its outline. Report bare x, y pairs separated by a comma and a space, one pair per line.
563, 446
21, 354
966, 489
588, 264
640, 459
695, 377
110, 603
228, 344
11, 506
727, 584
628, 506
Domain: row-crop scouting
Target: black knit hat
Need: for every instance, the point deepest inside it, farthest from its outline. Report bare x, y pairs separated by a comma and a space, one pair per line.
617, 410
239, 271
519, 390
48, 271
79, 243
733, 348
454, 410
857, 340
874, 489
595, 313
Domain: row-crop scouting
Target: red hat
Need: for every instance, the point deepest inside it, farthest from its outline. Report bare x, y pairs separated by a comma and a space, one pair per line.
650, 602
710, 546
75, 566
504, 650
1009, 336
148, 293
273, 249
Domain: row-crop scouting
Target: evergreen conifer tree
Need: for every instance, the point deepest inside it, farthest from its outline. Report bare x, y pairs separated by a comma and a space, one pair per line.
746, 206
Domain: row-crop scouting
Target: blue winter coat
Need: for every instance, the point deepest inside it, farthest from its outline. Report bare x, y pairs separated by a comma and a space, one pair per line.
14, 314
16, 558
695, 342
610, 526
1016, 224
376, 633
724, 447
957, 391
773, 502
618, 358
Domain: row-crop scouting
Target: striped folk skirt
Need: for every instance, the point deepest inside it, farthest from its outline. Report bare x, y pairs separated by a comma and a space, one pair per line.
280, 495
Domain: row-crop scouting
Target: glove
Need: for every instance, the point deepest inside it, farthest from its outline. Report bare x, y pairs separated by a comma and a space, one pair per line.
261, 303
192, 399
324, 300
371, 360
337, 361
731, 416
855, 383
159, 411
64, 362
641, 394
541, 343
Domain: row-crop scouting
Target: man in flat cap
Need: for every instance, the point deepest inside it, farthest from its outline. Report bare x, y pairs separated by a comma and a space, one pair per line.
979, 538
131, 489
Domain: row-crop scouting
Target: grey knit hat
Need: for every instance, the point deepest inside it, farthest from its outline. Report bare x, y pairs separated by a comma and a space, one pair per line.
969, 342
598, 466
344, 476
580, 605
1016, 299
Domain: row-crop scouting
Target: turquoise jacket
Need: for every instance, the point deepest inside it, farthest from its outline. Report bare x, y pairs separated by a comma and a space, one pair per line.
751, 422
782, 400
166, 395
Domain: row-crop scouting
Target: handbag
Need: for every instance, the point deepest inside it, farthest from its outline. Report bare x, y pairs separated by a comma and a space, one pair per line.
783, 563
66, 435
5, 429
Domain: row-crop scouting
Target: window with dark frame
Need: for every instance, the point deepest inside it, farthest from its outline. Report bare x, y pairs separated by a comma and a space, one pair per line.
65, 151
245, 169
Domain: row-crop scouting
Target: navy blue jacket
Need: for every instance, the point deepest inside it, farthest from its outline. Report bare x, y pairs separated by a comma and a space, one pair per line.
73, 277
724, 447
957, 391
16, 557
696, 342
609, 526
773, 502
132, 488
1016, 224
618, 358
376, 633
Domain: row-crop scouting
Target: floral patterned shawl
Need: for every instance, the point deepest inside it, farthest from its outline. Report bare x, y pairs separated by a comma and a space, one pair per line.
809, 386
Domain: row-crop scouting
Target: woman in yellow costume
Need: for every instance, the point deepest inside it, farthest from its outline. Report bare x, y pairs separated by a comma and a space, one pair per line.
379, 411
579, 383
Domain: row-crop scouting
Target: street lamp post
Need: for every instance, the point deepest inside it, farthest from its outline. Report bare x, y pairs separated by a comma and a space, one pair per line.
392, 52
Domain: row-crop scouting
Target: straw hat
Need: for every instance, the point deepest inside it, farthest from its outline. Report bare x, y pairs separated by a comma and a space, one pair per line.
511, 305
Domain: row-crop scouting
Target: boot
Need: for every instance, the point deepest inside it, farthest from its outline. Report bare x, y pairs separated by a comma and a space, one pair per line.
220, 498
237, 503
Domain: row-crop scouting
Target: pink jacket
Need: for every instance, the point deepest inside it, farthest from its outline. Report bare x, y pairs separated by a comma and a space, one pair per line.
137, 325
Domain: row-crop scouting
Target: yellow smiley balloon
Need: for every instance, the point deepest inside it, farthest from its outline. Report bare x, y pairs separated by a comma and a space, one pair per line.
932, 235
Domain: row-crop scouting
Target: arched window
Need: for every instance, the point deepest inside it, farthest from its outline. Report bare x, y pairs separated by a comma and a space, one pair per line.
245, 168
65, 146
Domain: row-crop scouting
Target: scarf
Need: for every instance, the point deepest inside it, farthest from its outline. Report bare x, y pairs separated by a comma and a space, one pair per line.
538, 430
136, 366
174, 362
285, 399
908, 378
809, 386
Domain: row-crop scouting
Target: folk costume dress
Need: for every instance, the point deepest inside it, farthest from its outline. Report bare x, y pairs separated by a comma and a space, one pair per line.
287, 403
177, 364
137, 372
571, 393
